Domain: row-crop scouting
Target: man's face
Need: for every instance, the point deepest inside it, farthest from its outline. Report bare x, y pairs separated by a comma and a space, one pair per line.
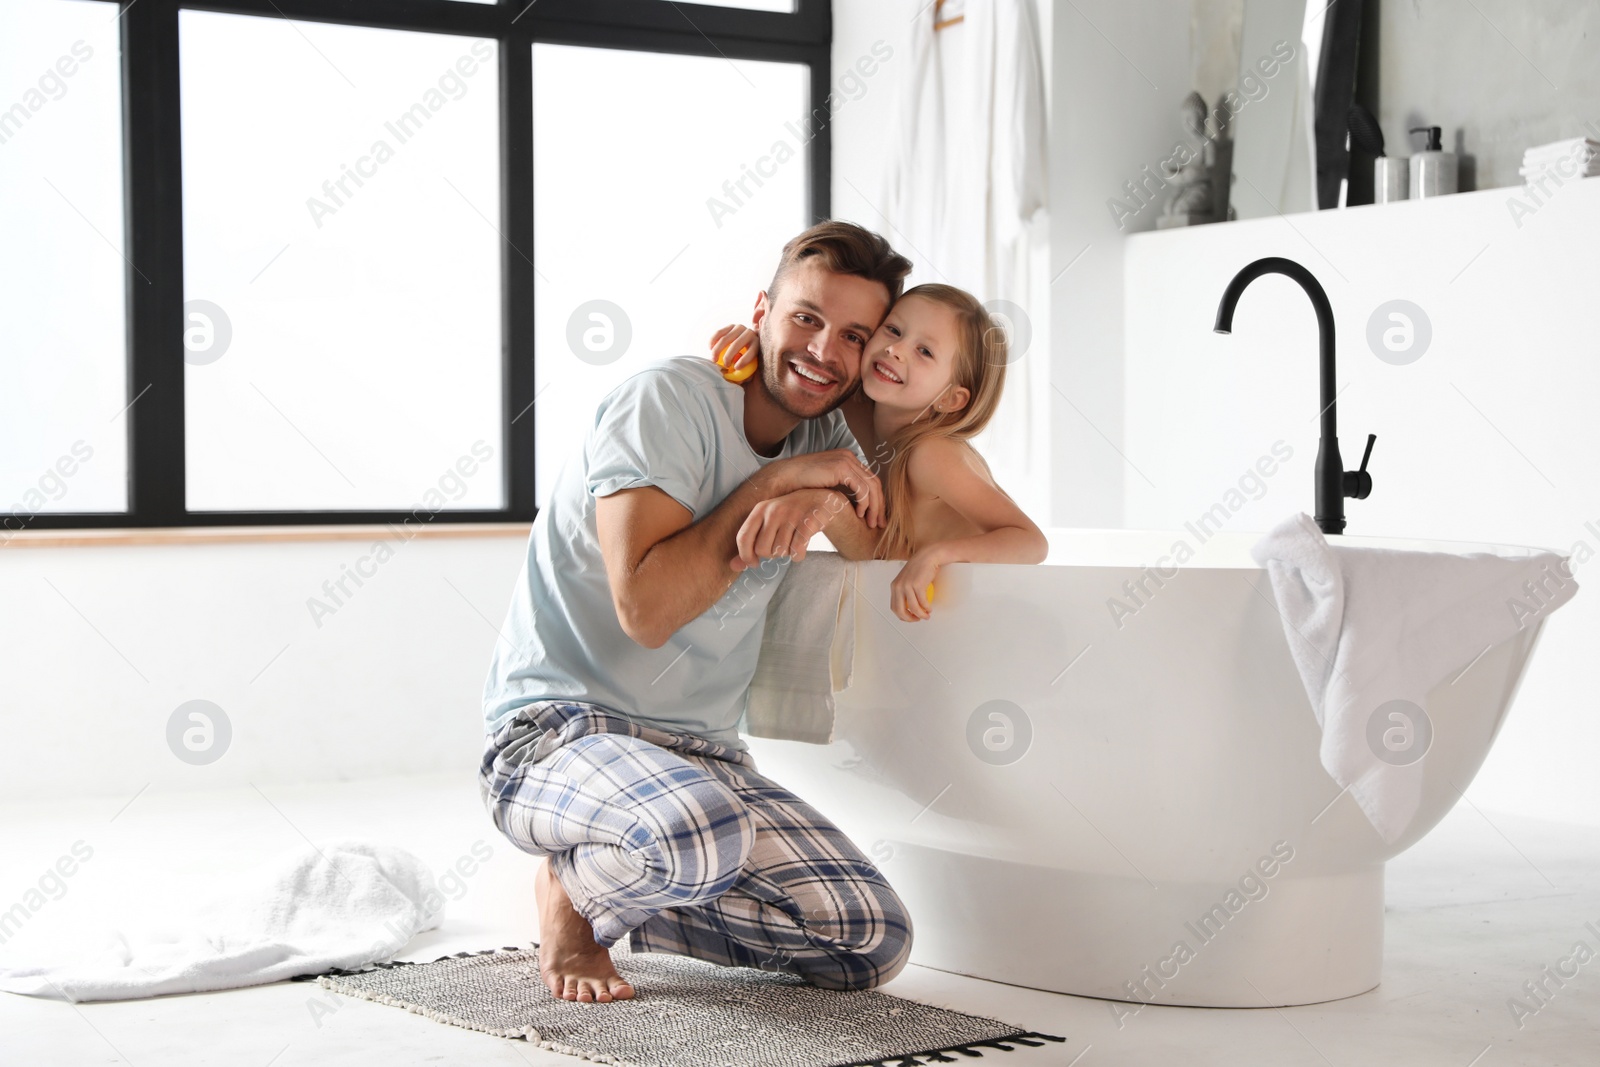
812, 336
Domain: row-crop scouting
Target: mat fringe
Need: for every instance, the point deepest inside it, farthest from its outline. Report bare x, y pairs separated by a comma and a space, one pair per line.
1031, 1038
329, 980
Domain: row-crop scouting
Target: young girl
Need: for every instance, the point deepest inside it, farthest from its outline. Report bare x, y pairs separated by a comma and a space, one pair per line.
931, 377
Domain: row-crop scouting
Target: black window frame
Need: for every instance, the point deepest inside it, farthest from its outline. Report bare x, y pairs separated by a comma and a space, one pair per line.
153, 205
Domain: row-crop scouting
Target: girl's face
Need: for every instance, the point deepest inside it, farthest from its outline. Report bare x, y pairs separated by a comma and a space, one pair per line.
910, 361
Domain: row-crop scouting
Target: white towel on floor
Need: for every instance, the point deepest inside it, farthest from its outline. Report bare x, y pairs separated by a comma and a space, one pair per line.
807, 651
303, 912
1367, 625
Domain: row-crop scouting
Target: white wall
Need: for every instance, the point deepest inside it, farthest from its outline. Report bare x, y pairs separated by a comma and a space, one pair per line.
1489, 436
1119, 71
102, 644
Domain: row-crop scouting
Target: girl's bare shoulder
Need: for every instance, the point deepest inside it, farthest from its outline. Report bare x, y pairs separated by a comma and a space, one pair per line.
936, 456
942, 448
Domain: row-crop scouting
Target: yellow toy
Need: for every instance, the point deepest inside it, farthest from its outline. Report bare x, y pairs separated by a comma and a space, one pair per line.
737, 374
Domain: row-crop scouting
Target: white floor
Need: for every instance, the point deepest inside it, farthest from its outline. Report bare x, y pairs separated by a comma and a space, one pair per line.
1481, 906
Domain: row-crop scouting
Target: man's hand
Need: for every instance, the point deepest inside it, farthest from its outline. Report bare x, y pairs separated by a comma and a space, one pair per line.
835, 468
784, 525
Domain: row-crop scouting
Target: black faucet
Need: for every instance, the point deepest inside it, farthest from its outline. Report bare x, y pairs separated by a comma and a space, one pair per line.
1334, 483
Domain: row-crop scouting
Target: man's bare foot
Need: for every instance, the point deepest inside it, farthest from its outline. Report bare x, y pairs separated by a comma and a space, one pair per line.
572, 965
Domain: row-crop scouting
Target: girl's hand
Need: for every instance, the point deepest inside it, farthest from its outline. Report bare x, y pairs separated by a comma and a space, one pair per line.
909, 592
735, 349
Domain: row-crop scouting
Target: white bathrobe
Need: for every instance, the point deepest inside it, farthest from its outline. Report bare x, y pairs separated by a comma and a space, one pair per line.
968, 175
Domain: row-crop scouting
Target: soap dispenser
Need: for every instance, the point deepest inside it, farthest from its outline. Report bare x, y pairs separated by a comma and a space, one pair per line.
1433, 170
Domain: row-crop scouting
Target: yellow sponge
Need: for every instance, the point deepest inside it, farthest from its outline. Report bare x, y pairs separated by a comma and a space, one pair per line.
738, 374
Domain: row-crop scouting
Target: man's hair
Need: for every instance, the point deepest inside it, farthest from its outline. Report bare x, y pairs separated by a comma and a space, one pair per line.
845, 248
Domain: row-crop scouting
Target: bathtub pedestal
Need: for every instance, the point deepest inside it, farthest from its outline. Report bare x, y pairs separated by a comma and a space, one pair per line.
1292, 940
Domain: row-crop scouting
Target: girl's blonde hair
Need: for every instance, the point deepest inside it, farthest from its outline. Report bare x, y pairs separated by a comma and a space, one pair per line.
980, 368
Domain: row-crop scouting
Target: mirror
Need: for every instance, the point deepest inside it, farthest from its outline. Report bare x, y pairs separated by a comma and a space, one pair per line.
1274, 165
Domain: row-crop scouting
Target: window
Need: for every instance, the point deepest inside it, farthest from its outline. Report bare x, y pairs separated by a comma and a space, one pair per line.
326, 258
341, 269
63, 386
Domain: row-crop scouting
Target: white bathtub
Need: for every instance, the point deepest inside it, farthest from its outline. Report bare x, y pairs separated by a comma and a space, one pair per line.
1149, 770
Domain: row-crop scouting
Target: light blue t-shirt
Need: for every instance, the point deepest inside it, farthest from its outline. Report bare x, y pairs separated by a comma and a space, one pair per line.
679, 426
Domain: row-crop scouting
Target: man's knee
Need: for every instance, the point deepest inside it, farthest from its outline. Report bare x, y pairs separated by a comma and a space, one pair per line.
871, 931
889, 955
883, 961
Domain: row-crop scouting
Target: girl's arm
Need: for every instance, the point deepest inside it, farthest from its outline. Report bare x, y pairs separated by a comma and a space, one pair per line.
951, 471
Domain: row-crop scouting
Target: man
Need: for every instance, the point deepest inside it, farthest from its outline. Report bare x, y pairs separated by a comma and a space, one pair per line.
632, 636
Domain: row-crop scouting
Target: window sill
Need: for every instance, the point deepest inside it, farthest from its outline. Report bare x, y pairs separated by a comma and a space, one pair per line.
210, 535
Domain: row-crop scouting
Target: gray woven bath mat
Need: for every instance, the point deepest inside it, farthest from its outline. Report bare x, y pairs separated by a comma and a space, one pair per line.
685, 1013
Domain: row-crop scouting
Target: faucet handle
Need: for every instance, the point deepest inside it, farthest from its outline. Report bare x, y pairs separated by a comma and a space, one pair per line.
1358, 483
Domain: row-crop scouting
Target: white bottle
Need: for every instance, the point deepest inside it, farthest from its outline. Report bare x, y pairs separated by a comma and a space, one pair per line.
1433, 170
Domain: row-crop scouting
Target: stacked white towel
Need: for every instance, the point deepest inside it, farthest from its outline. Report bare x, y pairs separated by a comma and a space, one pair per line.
309, 910
1368, 626
1576, 157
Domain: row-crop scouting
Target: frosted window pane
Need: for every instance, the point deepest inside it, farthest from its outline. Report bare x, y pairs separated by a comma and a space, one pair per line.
63, 348
630, 151
341, 266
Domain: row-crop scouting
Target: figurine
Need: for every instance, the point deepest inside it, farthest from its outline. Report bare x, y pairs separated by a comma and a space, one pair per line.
1195, 198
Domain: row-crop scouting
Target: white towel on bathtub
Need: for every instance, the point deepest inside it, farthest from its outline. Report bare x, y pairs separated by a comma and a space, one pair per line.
807, 651
1370, 626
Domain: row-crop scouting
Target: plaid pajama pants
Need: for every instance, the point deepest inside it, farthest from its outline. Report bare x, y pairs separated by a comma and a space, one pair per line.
679, 844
